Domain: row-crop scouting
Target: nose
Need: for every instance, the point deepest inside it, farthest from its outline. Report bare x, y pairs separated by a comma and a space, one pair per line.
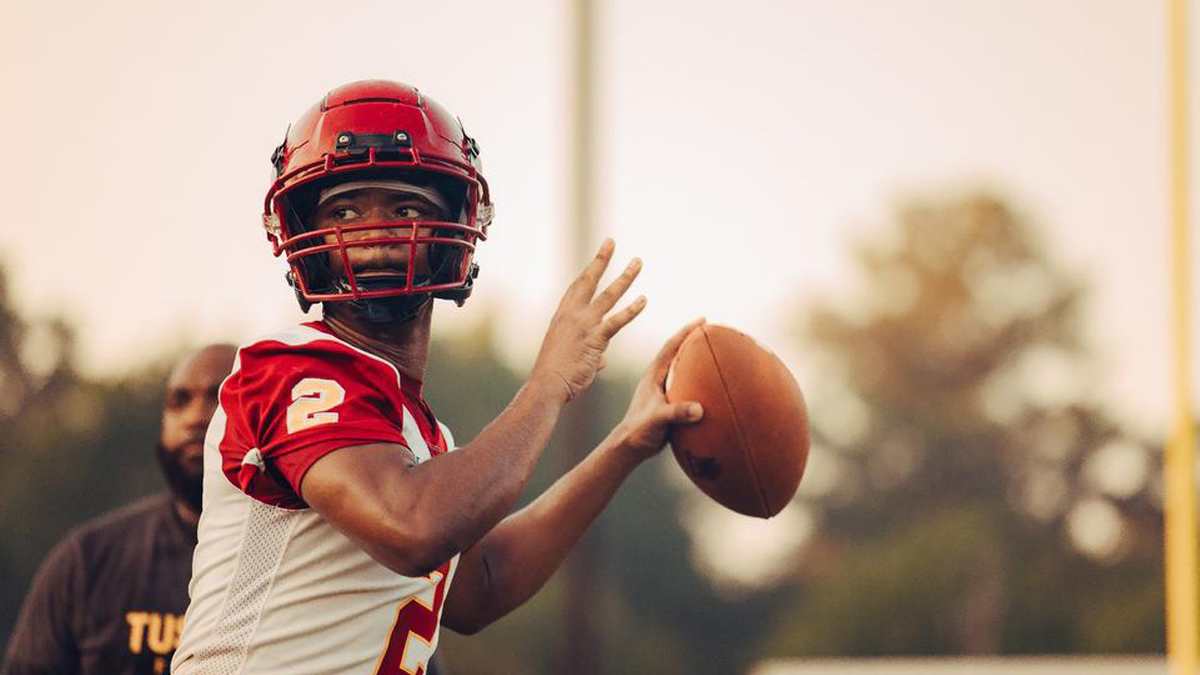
198, 413
374, 217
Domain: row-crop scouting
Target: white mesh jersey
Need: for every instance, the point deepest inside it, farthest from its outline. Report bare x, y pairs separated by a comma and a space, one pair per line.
276, 588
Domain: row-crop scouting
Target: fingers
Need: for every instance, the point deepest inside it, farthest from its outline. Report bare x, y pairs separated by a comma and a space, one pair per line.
680, 413
609, 297
613, 324
585, 284
662, 361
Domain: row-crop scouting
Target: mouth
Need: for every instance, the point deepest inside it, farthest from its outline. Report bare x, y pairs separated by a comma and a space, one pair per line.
191, 454
376, 273
386, 280
381, 279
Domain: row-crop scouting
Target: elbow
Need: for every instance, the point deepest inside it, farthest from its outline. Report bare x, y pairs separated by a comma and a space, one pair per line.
418, 562
418, 554
465, 626
410, 566
485, 607
469, 621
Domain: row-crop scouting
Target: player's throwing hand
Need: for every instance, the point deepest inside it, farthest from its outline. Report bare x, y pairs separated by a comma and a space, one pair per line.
573, 349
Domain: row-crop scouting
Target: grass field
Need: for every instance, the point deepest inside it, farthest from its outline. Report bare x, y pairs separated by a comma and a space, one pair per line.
1047, 665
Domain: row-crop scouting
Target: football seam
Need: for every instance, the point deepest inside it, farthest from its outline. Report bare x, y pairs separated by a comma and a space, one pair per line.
737, 424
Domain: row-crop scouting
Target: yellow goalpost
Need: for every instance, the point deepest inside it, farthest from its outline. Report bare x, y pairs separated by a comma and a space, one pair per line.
1183, 602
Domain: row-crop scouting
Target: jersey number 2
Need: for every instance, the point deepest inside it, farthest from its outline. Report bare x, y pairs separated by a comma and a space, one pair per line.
312, 398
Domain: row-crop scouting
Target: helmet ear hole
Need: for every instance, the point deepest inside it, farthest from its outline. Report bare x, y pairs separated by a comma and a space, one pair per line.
305, 303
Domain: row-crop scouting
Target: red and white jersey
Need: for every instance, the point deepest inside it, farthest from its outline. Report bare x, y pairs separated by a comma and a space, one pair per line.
275, 587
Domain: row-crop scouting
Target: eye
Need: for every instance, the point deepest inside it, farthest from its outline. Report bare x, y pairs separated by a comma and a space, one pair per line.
344, 213
410, 213
176, 399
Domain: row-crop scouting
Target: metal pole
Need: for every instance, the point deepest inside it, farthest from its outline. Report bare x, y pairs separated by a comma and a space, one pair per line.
581, 571
1183, 600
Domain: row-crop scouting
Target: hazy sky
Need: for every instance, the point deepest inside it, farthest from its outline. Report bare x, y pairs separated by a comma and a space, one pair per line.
744, 146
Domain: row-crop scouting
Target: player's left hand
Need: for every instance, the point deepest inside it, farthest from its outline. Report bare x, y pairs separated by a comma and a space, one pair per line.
643, 430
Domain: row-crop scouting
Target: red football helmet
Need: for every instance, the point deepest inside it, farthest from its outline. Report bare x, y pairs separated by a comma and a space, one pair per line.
372, 130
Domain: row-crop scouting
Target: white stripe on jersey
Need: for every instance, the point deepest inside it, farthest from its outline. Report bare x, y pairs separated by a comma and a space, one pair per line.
412, 436
267, 532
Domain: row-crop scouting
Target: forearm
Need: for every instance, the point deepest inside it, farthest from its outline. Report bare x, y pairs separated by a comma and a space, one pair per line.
412, 518
525, 549
465, 493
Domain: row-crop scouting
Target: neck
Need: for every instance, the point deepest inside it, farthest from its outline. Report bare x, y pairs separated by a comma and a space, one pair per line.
403, 344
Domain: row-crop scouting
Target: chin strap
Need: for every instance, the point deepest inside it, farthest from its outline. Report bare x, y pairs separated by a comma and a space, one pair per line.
397, 309
390, 310
460, 295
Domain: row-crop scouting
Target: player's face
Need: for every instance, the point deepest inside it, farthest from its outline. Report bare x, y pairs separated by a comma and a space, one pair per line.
377, 205
189, 405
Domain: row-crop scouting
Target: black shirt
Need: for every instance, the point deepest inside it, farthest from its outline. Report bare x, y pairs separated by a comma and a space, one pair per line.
110, 598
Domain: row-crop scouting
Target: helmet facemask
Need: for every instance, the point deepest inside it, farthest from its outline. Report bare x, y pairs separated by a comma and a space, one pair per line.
438, 261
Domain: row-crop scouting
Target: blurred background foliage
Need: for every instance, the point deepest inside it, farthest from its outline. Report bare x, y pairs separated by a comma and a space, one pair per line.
965, 495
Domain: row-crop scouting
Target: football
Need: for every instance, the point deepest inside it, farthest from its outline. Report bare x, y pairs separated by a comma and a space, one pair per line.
749, 450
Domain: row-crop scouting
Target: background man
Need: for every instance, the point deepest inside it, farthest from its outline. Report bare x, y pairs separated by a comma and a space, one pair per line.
109, 599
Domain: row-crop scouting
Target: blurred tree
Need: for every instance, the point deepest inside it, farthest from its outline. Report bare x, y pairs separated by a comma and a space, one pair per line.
982, 502
70, 448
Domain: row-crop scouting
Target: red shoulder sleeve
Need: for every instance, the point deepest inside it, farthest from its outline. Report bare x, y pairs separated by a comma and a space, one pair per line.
288, 405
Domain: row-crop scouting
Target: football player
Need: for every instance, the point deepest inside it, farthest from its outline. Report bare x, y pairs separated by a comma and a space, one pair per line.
109, 599
341, 523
